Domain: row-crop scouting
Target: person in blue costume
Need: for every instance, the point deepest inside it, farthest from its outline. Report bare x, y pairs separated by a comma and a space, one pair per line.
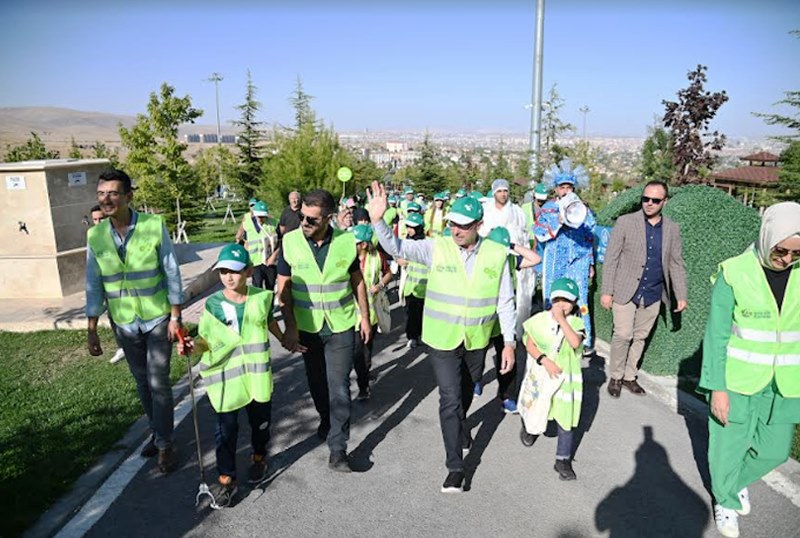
567, 246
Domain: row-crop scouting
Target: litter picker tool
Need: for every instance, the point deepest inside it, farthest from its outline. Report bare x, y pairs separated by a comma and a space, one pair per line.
203, 488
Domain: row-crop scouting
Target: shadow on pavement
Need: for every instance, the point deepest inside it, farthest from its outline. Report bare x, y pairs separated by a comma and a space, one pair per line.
654, 502
594, 377
489, 418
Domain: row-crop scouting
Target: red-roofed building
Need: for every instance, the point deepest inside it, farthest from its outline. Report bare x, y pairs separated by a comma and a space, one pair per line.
761, 173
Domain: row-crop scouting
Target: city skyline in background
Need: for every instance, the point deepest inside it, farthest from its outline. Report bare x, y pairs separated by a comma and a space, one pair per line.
442, 66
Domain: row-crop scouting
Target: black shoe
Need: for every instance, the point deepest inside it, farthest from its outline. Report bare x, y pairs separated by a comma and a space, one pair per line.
564, 470
614, 387
527, 438
224, 491
258, 469
466, 446
149, 450
363, 394
454, 483
323, 429
340, 462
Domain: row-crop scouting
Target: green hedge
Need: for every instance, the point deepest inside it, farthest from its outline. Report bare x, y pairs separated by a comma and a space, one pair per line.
714, 227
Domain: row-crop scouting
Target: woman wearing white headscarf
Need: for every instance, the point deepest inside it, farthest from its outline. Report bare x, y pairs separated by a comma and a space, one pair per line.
751, 363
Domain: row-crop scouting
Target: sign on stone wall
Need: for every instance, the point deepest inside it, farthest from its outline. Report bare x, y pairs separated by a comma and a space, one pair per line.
76, 179
16, 183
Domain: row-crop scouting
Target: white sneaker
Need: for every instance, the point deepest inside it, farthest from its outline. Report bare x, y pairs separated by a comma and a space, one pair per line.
118, 356
744, 498
411, 344
727, 521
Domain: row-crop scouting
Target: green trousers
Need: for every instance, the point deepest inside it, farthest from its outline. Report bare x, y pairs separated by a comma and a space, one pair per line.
756, 440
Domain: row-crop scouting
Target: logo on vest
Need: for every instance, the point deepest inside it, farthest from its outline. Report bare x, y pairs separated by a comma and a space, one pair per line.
445, 269
341, 263
301, 266
491, 273
760, 314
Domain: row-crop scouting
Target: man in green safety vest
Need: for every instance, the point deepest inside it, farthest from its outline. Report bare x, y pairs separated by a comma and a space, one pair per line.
322, 285
468, 289
131, 265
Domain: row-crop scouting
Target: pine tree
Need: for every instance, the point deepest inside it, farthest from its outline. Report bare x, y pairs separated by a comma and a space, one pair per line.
301, 102
789, 174
250, 142
553, 127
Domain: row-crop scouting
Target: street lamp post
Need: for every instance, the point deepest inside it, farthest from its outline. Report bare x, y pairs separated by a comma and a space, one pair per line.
216, 78
536, 109
584, 110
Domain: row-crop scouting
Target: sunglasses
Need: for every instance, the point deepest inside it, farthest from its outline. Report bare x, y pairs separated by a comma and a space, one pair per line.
780, 252
312, 221
656, 201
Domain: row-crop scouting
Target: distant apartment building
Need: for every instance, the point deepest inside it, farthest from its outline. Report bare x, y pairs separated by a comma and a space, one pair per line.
396, 147
396, 159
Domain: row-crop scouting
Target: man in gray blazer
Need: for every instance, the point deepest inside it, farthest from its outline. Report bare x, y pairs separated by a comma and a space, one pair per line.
642, 259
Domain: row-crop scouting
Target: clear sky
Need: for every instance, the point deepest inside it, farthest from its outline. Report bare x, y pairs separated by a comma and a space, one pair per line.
405, 64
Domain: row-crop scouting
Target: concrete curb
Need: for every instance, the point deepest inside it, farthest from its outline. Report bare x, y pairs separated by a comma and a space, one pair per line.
665, 389
55, 517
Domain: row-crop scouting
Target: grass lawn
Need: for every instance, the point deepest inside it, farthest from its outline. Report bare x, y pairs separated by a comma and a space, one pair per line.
60, 410
213, 231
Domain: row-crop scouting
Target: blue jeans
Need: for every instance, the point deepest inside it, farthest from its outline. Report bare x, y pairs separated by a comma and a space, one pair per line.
259, 415
148, 358
328, 362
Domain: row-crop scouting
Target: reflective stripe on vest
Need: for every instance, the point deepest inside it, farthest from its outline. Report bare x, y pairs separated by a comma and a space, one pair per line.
416, 280
460, 309
237, 368
255, 239
764, 343
321, 296
135, 287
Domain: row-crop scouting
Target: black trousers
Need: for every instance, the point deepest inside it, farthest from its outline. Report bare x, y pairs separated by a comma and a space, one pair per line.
265, 276
362, 357
414, 305
328, 362
507, 387
259, 416
456, 372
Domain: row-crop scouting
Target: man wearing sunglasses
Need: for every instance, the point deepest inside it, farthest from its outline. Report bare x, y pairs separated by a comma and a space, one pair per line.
643, 268
322, 285
469, 288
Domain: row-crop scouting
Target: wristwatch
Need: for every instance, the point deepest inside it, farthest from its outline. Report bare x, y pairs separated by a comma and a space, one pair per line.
539, 359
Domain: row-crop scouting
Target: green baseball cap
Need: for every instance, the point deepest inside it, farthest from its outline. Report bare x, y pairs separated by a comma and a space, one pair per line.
500, 235
413, 206
362, 232
477, 195
465, 211
393, 199
414, 219
252, 202
460, 193
234, 257
540, 192
564, 287
408, 190
260, 209
440, 196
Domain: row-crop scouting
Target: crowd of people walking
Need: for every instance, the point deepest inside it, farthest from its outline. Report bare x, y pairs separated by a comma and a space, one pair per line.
474, 272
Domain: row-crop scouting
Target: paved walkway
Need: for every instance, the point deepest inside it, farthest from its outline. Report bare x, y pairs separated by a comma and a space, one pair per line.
641, 470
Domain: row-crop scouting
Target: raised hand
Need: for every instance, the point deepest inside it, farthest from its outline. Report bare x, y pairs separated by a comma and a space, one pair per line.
377, 201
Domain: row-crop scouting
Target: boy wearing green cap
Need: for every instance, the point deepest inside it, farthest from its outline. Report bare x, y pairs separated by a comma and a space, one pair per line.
554, 342
261, 241
414, 283
235, 365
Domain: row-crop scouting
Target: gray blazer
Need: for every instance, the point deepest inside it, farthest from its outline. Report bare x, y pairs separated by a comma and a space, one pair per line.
625, 259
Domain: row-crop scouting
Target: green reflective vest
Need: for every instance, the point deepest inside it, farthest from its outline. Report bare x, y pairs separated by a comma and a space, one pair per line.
416, 280
321, 295
460, 309
134, 287
236, 369
372, 277
434, 222
255, 239
764, 342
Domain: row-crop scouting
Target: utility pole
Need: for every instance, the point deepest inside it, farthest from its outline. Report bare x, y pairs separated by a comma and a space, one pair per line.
536, 109
216, 78
585, 110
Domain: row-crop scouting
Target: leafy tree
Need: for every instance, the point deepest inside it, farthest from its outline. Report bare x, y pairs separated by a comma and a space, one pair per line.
101, 151
501, 167
657, 155
32, 150
155, 158
583, 153
250, 142
789, 174
688, 119
213, 165
553, 127
74, 149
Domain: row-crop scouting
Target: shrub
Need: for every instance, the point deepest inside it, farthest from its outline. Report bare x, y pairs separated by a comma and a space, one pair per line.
714, 227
